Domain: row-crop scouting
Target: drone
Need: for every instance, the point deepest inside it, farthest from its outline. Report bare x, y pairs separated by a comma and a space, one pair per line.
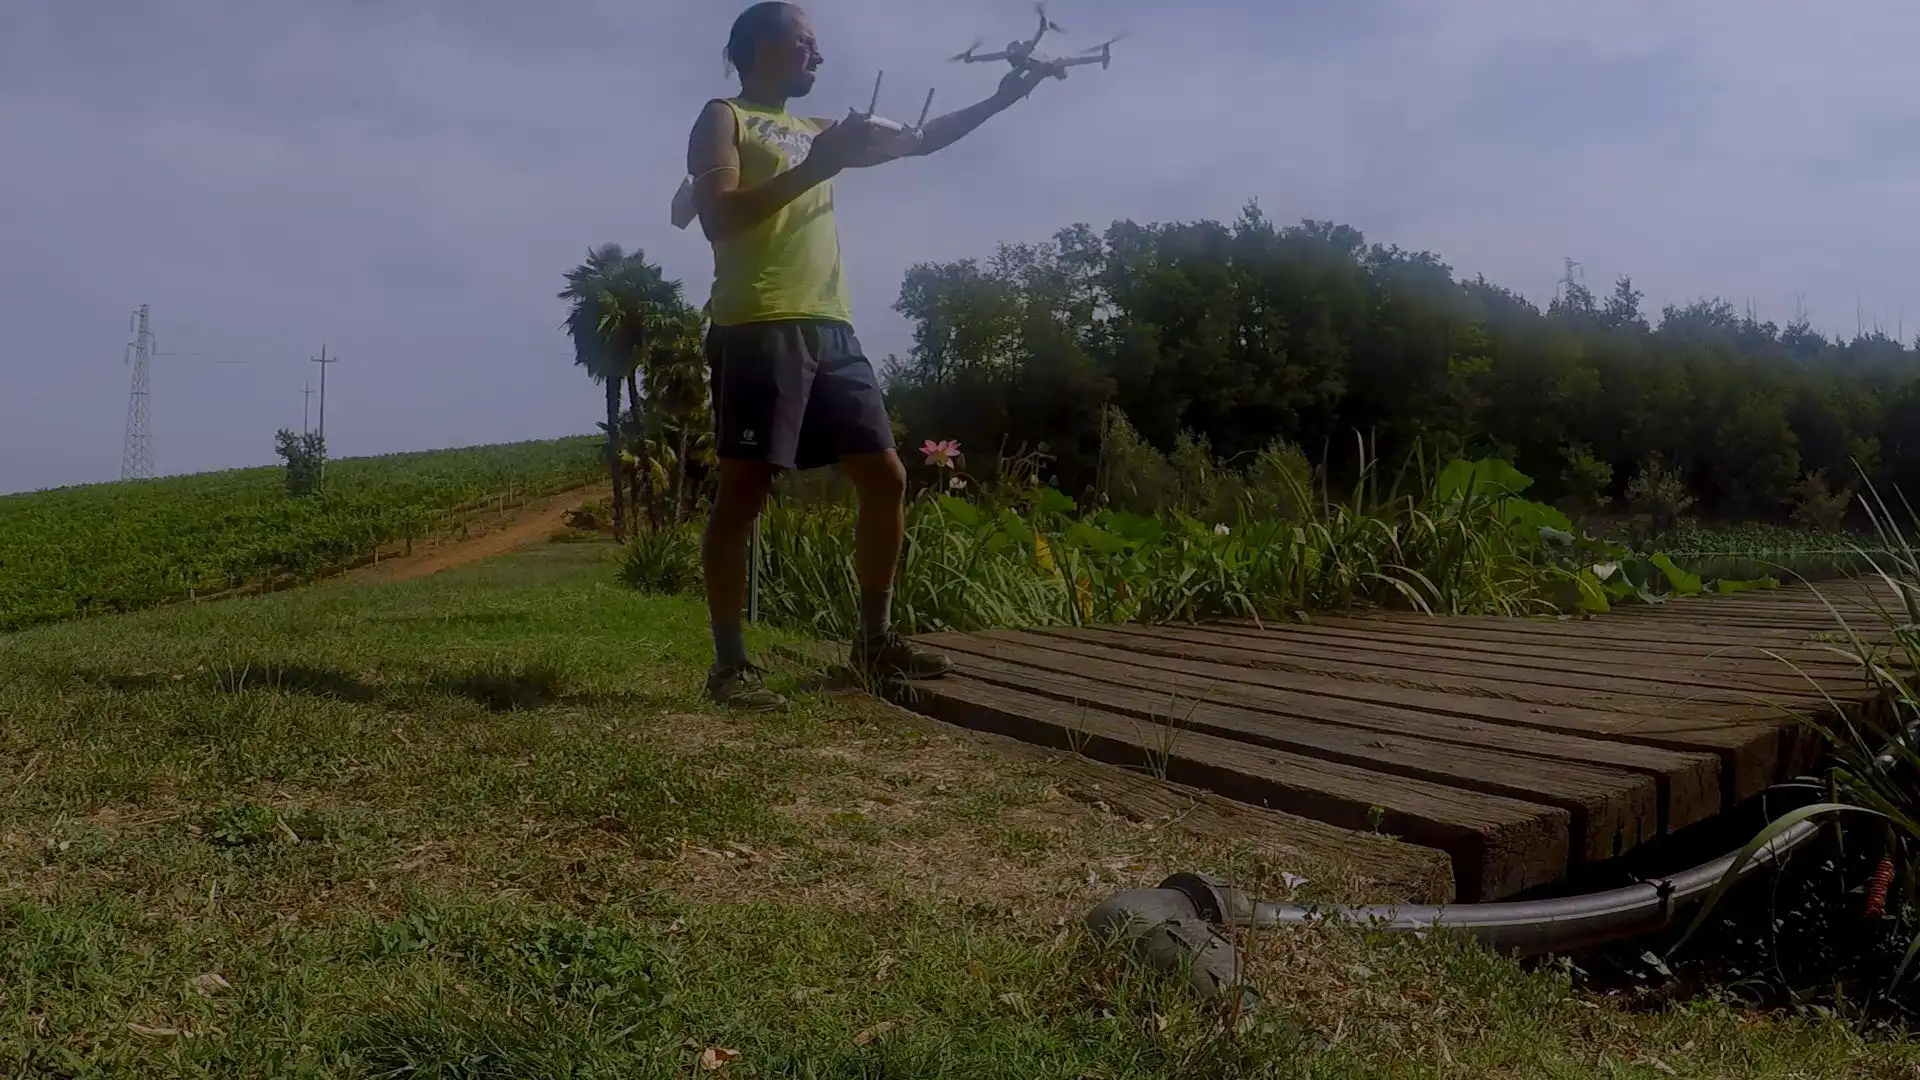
1023, 57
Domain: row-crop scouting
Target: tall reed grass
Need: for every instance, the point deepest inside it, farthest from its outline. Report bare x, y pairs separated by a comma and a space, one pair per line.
1021, 554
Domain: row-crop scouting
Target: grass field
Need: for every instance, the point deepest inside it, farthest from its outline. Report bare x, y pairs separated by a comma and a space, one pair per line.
482, 825
120, 547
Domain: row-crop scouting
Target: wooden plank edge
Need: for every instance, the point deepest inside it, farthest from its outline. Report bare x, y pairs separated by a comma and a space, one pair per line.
1392, 870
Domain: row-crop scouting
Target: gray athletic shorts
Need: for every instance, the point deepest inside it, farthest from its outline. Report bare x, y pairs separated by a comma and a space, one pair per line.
797, 394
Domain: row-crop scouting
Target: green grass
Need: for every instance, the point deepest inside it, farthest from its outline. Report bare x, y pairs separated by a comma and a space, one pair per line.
482, 825
119, 547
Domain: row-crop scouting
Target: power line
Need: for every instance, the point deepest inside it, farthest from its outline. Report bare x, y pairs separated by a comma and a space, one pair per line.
136, 452
232, 358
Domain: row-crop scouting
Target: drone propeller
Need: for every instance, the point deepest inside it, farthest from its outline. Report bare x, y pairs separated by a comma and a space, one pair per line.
1049, 24
968, 55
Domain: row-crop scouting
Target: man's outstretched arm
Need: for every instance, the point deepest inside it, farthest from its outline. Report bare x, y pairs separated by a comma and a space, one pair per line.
943, 131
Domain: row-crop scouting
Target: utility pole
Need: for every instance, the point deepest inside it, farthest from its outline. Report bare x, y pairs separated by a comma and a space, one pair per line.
306, 407
323, 362
1567, 283
136, 454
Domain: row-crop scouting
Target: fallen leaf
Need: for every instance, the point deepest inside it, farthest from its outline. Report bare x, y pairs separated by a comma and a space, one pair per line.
153, 1032
1159, 1022
1012, 997
874, 1032
880, 969
1662, 1066
715, 1058
212, 983
676, 928
280, 826
1293, 881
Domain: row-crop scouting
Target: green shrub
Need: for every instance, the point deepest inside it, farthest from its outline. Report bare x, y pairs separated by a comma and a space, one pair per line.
664, 561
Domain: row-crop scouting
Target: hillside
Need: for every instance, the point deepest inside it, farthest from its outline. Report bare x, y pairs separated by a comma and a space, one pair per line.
116, 547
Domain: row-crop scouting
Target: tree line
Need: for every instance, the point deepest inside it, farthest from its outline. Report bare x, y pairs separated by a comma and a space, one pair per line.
1233, 336
1212, 342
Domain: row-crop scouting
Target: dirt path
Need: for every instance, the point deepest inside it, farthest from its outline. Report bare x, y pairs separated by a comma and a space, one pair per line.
529, 525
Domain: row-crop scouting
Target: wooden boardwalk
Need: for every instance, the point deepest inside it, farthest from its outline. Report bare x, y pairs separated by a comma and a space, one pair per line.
1522, 749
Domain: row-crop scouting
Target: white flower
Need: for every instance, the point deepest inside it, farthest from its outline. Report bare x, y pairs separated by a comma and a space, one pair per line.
1221, 530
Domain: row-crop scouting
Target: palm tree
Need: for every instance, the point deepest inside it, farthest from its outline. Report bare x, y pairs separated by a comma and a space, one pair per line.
617, 301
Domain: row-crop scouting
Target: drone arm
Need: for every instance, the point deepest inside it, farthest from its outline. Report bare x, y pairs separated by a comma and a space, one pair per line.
713, 160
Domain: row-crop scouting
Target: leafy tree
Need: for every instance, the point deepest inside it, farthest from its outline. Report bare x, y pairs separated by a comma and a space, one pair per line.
1659, 493
305, 456
1817, 506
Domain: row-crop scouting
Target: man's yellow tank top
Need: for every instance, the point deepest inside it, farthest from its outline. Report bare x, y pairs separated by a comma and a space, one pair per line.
788, 266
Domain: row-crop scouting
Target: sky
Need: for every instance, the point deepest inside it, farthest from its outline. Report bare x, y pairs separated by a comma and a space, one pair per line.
405, 181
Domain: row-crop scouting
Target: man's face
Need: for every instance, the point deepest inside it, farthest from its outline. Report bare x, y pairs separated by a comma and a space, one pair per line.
790, 57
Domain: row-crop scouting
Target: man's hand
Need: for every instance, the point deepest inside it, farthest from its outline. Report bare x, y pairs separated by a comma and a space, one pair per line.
854, 143
1019, 82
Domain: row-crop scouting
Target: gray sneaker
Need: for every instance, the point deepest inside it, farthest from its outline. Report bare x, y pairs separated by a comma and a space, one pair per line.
740, 688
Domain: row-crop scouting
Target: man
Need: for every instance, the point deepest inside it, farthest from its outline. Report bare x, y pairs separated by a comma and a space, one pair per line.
791, 389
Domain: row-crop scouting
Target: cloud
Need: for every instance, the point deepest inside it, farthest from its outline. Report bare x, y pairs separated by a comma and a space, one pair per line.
406, 181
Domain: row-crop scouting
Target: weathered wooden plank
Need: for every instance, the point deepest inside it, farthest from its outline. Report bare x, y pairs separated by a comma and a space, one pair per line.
1758, 620
1440, 673
1513, 668
1385, 870
1750, 750
1687, 784
1588, 662
1721, 611
1781, 654
1608, 628
1664, 658
1499, 845
1612, 811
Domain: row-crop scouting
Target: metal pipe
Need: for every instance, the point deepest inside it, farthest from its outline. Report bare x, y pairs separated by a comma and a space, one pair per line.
753, 572
1526, 927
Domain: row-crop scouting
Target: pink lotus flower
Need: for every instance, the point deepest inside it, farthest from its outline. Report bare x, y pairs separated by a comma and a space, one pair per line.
943, 454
